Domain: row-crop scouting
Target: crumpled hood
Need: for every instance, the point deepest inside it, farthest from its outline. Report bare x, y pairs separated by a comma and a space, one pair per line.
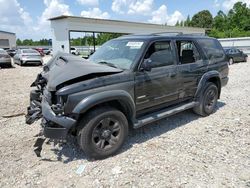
63, 72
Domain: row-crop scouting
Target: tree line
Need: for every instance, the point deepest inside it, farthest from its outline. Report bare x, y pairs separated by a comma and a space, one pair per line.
100, 38
235, 23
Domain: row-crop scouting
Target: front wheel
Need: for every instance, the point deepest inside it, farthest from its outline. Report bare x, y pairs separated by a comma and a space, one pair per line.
208, 100
103, 132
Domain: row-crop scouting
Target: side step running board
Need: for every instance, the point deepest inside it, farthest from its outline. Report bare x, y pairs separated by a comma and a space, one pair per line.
163, 114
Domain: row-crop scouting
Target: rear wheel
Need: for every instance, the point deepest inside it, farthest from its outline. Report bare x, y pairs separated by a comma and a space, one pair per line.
208, 100
103, 132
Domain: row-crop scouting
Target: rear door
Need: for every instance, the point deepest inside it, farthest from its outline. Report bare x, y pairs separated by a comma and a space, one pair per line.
157, 86
191, 67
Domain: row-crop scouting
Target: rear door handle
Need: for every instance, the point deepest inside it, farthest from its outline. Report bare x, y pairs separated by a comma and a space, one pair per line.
173, 75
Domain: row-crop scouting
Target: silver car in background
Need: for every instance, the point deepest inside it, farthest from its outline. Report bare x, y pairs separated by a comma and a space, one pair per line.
28, 56
5, 59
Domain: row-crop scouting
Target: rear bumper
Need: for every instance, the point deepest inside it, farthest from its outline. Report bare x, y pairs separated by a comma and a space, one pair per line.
5, 61
30, 61
224, 81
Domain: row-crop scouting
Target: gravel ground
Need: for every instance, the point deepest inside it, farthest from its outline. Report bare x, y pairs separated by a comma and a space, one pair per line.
184, 150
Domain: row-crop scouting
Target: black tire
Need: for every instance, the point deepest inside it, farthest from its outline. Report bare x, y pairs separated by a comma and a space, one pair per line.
102, 132
231, 61
208, 100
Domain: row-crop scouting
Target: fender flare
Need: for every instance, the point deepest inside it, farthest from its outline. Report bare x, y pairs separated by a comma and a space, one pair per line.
119, 95
204, 79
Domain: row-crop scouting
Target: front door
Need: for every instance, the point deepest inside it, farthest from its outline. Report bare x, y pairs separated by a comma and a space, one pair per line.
157, 86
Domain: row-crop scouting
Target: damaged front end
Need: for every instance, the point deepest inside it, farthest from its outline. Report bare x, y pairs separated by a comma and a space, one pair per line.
45, 105
34, 111
54, 124
63, 76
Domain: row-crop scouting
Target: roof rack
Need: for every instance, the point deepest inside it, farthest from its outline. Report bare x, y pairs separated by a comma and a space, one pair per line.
168, 33
178, 34
194, 34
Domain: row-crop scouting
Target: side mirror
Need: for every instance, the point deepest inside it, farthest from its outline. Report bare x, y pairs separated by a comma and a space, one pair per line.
146, 65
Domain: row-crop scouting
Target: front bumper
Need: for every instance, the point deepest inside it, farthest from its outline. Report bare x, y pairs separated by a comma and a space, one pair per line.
54, 126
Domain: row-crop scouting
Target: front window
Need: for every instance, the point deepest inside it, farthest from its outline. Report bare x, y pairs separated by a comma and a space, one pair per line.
161, 54
118, 53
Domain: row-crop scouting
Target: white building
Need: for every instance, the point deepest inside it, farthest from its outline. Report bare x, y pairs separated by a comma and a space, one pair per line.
7, 40
242, 43
62, 26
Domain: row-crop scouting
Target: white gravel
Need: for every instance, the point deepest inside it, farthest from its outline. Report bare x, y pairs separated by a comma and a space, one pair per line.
181, 151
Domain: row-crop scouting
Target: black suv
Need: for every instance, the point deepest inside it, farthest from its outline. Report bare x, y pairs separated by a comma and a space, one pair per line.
130, 81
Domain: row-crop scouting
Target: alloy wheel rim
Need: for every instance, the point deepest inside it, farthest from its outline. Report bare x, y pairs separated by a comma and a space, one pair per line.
106, 133
210, 99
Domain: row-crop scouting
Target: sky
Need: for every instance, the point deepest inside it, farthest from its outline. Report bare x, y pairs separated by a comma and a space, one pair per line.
29, 18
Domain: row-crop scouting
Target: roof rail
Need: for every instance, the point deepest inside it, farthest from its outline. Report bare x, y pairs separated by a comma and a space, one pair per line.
168, 33
178, 34
194, 34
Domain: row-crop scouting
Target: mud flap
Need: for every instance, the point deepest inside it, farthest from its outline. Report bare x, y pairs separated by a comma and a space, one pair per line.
38, 146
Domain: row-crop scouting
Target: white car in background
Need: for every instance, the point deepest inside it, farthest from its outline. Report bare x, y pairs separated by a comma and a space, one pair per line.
28, 56
74, 51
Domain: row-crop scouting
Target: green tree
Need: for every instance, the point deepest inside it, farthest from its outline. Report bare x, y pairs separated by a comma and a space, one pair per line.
187, 23
181, 23
239, 16
177, 23
203, 19
221, 21
18, 42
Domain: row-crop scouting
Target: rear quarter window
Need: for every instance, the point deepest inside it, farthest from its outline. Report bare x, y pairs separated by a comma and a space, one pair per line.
212, 49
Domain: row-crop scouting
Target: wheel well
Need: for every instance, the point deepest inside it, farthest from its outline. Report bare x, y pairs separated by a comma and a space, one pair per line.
118, 104
216, 81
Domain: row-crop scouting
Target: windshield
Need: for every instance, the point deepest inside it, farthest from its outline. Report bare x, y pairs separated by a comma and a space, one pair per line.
118, 53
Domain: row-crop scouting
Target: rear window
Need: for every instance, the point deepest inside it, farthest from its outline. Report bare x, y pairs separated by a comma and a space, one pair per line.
213, 49
30, 51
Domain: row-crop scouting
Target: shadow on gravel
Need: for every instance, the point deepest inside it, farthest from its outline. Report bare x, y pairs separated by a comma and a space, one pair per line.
72, 152
7, 67
66, 152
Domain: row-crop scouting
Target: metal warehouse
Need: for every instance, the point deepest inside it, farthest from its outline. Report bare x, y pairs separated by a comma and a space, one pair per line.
7, 40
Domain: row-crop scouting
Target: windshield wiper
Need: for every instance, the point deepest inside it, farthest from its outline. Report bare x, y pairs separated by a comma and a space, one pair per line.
107, 63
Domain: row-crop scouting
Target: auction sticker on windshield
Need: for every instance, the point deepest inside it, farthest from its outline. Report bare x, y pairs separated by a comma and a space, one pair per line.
134, 45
